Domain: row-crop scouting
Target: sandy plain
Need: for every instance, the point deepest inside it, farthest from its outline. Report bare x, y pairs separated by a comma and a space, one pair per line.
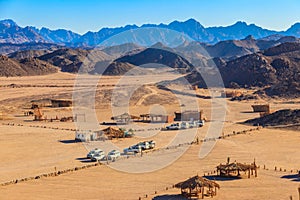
28, 149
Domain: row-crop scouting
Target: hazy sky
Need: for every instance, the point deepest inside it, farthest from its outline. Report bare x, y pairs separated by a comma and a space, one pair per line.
84, 15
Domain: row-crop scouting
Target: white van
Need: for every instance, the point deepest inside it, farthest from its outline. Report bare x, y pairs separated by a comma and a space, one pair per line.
93, 152
185, 125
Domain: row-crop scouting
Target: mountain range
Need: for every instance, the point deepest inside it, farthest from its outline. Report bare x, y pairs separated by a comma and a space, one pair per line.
10, 32
271, 63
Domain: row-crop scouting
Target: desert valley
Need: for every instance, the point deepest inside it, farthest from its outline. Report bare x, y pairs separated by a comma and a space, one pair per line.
60, 101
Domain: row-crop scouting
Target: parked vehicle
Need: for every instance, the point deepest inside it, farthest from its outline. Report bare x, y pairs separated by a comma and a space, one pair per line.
185, 125
113, 155
93, 152
200, 123
132, 149
152, 144
99, 156
192, 124
144, 145
175, 126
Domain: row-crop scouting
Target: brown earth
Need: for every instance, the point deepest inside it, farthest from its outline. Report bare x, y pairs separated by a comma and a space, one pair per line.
29, 150
24, 67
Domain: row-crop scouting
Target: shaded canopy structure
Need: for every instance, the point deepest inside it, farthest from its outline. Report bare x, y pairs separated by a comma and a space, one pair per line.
125, 118
231, 169
197, 185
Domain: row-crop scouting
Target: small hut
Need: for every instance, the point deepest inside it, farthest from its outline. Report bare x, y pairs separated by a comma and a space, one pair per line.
231, 94
156, 118
197, 185
188, 116
88, 135
38, 115
234, 169
61, 103
261, 108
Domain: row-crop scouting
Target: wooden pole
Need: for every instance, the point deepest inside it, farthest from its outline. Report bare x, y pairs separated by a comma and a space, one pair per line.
299, 191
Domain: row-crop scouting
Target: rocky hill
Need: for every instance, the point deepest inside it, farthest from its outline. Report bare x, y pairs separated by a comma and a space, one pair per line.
276, 69
158, 56
71, 60
121, 68
281, 117
123, 49
28, 54
118, 68
24, 67
282, 48
276, 65
8, 48
229, 49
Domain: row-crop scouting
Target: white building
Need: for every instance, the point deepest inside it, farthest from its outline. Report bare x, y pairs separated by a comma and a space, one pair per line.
88, 135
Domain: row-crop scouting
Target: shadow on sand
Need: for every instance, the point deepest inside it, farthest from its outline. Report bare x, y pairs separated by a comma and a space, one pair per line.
174, 91
68, 141
84, 160
109, 123
170, 197
221, 178
247, 112
292, 177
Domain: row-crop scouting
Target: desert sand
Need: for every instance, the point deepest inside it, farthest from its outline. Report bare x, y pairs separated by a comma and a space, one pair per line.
27, 150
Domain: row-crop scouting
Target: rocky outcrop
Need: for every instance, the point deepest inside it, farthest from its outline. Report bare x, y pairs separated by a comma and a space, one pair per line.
24, 67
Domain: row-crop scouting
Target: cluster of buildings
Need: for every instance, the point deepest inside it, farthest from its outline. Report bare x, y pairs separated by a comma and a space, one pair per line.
126, 118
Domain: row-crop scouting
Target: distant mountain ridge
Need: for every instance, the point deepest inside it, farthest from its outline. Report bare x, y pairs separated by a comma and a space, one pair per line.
10, 32
25, 67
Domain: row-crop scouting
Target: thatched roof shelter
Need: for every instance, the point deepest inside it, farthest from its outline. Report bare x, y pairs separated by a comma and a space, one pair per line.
113, 133
196, 185
235, 168
125, 118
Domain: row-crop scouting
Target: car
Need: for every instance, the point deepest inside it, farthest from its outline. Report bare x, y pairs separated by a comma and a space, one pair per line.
93, 152
133, 149
144, 145
200, 123
152, 144
185, 125
113, 155
173, 127
192, 124
98, 156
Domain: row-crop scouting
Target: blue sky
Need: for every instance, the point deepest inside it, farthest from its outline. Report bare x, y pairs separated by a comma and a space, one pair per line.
81, 16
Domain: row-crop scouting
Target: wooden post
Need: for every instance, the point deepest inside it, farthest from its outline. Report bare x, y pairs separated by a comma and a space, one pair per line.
299, 191
248, 173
